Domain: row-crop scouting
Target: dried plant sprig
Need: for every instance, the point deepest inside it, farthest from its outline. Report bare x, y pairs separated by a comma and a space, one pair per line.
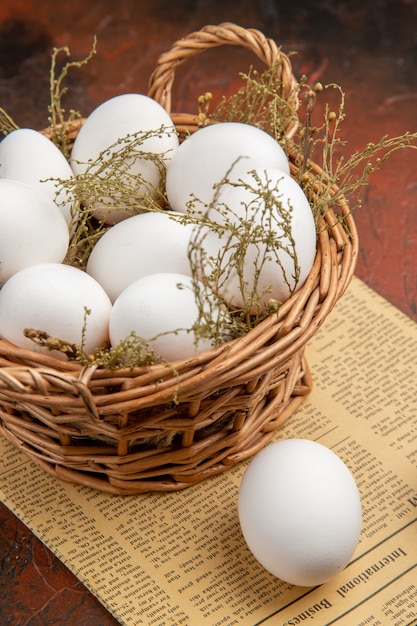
315, 141
7, 124
60, 125
71, 350
262, 229
113, 174
114, 182
130, 352
260, 102
45, 340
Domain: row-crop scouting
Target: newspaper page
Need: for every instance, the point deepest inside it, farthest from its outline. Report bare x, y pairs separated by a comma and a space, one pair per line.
166, 559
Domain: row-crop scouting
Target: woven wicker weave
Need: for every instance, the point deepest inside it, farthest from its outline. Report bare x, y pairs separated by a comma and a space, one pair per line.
119, 430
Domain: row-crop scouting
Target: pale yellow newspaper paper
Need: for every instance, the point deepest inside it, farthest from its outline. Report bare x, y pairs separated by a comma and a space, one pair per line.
180, 558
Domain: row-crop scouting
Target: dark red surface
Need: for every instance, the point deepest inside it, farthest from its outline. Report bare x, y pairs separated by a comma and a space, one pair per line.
370, 49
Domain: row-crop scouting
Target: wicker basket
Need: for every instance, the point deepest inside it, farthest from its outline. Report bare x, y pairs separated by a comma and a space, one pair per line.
119, 430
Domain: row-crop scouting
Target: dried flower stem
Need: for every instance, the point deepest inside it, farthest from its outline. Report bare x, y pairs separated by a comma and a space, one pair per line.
59, 126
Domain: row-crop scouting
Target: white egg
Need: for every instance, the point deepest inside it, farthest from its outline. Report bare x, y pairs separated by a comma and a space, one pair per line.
269, 244
32, 229
109, 128
162, 310
58, 299
148, 243
300, 511
205, 158
28, 156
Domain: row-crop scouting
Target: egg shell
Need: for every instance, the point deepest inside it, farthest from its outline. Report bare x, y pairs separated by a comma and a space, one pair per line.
300, 511
148, 243
205, 158
160, 308
32, 229
53, 297
108, 128
28, 156
273, 270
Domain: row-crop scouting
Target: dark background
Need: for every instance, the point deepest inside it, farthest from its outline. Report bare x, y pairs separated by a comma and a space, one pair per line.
369, 48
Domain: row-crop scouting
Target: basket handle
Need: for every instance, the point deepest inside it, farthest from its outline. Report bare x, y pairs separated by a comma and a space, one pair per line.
162, 78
